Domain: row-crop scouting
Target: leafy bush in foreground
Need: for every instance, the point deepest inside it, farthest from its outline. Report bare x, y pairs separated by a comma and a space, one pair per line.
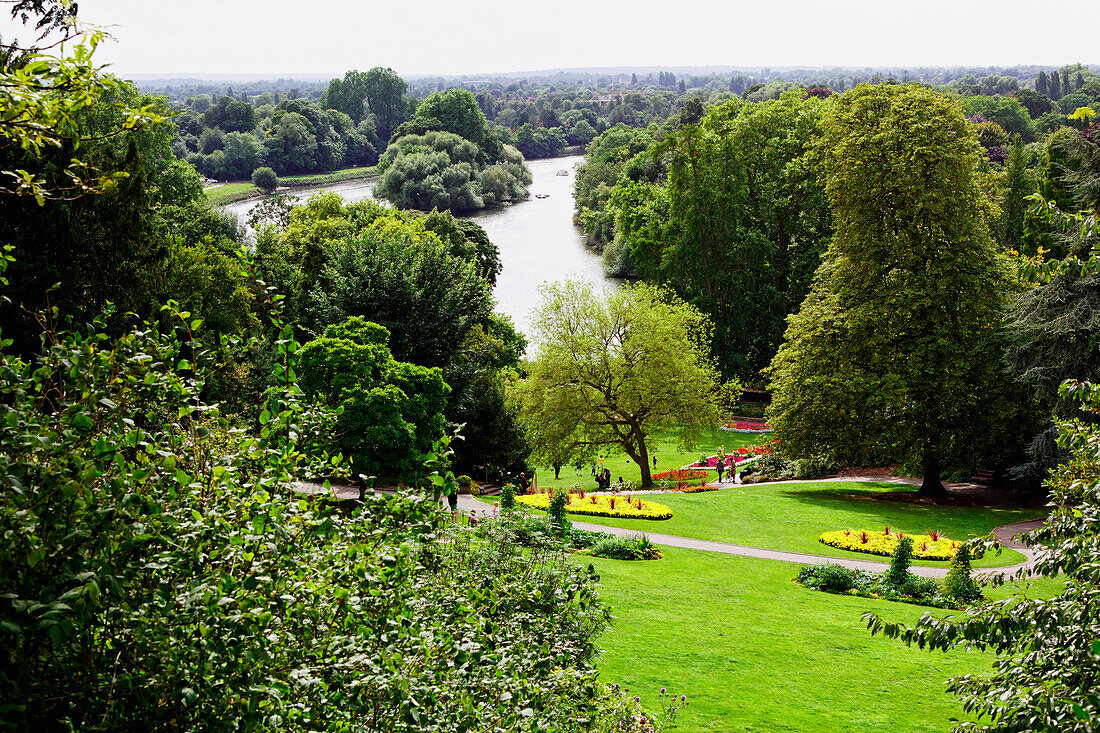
160, 572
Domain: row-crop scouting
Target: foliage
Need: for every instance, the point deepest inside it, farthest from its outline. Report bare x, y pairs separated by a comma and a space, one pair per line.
508, 496
45, 101
114, 246
388, 413
741, 225
893, 354
900, 561
611, 372
265, 179
1047, 662
637, 547
441, 170
599, 506
959, 584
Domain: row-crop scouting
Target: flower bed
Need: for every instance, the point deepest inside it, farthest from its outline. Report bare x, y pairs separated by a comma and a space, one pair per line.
682, 474
737, 456
746, 426
931, 546
627, 507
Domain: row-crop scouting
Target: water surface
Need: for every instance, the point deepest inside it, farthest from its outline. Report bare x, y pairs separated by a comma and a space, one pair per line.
537, 240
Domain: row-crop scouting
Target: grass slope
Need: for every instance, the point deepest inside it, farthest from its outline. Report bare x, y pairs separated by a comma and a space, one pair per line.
669, 456
231, 192
791, 517
756, 652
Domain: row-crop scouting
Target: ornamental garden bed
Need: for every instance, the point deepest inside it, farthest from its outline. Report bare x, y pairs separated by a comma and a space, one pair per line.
931, 546
747, 426
684, 480
626, 507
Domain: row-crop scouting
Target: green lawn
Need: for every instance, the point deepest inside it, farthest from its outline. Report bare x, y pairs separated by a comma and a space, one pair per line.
241, 190
669, 456
791, 517
757, 652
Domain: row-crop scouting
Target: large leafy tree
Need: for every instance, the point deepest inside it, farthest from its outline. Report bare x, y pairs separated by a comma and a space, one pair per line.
1048, 653
390, 412
894, 355
740, 227
384, 91
612, 372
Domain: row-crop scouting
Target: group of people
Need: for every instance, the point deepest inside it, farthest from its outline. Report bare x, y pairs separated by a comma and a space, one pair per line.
603, 480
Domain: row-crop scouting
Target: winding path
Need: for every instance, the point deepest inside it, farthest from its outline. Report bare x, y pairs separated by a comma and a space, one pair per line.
1005, 534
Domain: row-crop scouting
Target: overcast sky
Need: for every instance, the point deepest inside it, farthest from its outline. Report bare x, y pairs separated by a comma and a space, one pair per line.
285, 37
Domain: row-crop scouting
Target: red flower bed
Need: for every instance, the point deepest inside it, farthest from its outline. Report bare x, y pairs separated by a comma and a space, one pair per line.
682, 474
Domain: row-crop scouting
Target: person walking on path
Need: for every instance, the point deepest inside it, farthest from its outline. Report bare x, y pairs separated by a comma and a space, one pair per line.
719, 466
654, 463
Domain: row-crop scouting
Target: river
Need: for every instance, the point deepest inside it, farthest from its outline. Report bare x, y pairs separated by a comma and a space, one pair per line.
537, 240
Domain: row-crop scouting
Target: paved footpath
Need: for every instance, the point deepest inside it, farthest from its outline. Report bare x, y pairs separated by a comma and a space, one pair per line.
1005, 533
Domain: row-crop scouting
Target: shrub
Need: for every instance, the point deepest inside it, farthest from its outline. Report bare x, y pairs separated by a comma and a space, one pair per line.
625, 548
899, 563
959, 585
160, 573
265, 179
508, 496
464, 482
556, 507
834, 578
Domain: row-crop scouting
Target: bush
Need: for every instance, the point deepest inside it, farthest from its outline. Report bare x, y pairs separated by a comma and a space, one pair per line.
265, 179
959, 585
508, 496
899, 563
625, 548
832, 578
556, 508
160, 573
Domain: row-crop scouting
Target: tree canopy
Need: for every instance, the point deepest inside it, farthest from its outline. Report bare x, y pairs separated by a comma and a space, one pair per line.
894, 355
611, 372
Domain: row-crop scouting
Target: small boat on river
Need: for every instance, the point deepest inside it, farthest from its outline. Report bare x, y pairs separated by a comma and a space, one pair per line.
542, 195
562, 172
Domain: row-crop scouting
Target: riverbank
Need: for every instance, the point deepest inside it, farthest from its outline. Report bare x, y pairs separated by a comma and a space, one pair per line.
228, 193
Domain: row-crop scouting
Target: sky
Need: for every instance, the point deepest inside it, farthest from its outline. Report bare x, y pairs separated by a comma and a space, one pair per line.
445, 37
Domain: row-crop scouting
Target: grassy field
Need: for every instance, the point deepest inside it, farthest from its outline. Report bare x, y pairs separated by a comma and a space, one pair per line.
791, 517
756, 652
231, 192
668, 456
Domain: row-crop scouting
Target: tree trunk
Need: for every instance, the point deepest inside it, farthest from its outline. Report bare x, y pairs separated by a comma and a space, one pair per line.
931, 486
643, 455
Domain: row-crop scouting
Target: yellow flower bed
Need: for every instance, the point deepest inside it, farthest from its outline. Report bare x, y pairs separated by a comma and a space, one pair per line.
874, 542
602, 506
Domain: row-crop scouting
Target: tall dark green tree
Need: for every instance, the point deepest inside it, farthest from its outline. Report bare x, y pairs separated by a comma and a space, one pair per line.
385, 94
745, 223
894, 354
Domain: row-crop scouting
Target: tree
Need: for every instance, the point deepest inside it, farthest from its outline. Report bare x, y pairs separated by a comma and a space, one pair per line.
745, 224
615, 371
894, 354
348, 95
1048, 657
1018, 185
385, 92
265, 179
426, 298
390, 412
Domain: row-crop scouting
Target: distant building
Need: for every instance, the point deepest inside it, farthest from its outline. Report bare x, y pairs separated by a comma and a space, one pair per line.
606, 99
